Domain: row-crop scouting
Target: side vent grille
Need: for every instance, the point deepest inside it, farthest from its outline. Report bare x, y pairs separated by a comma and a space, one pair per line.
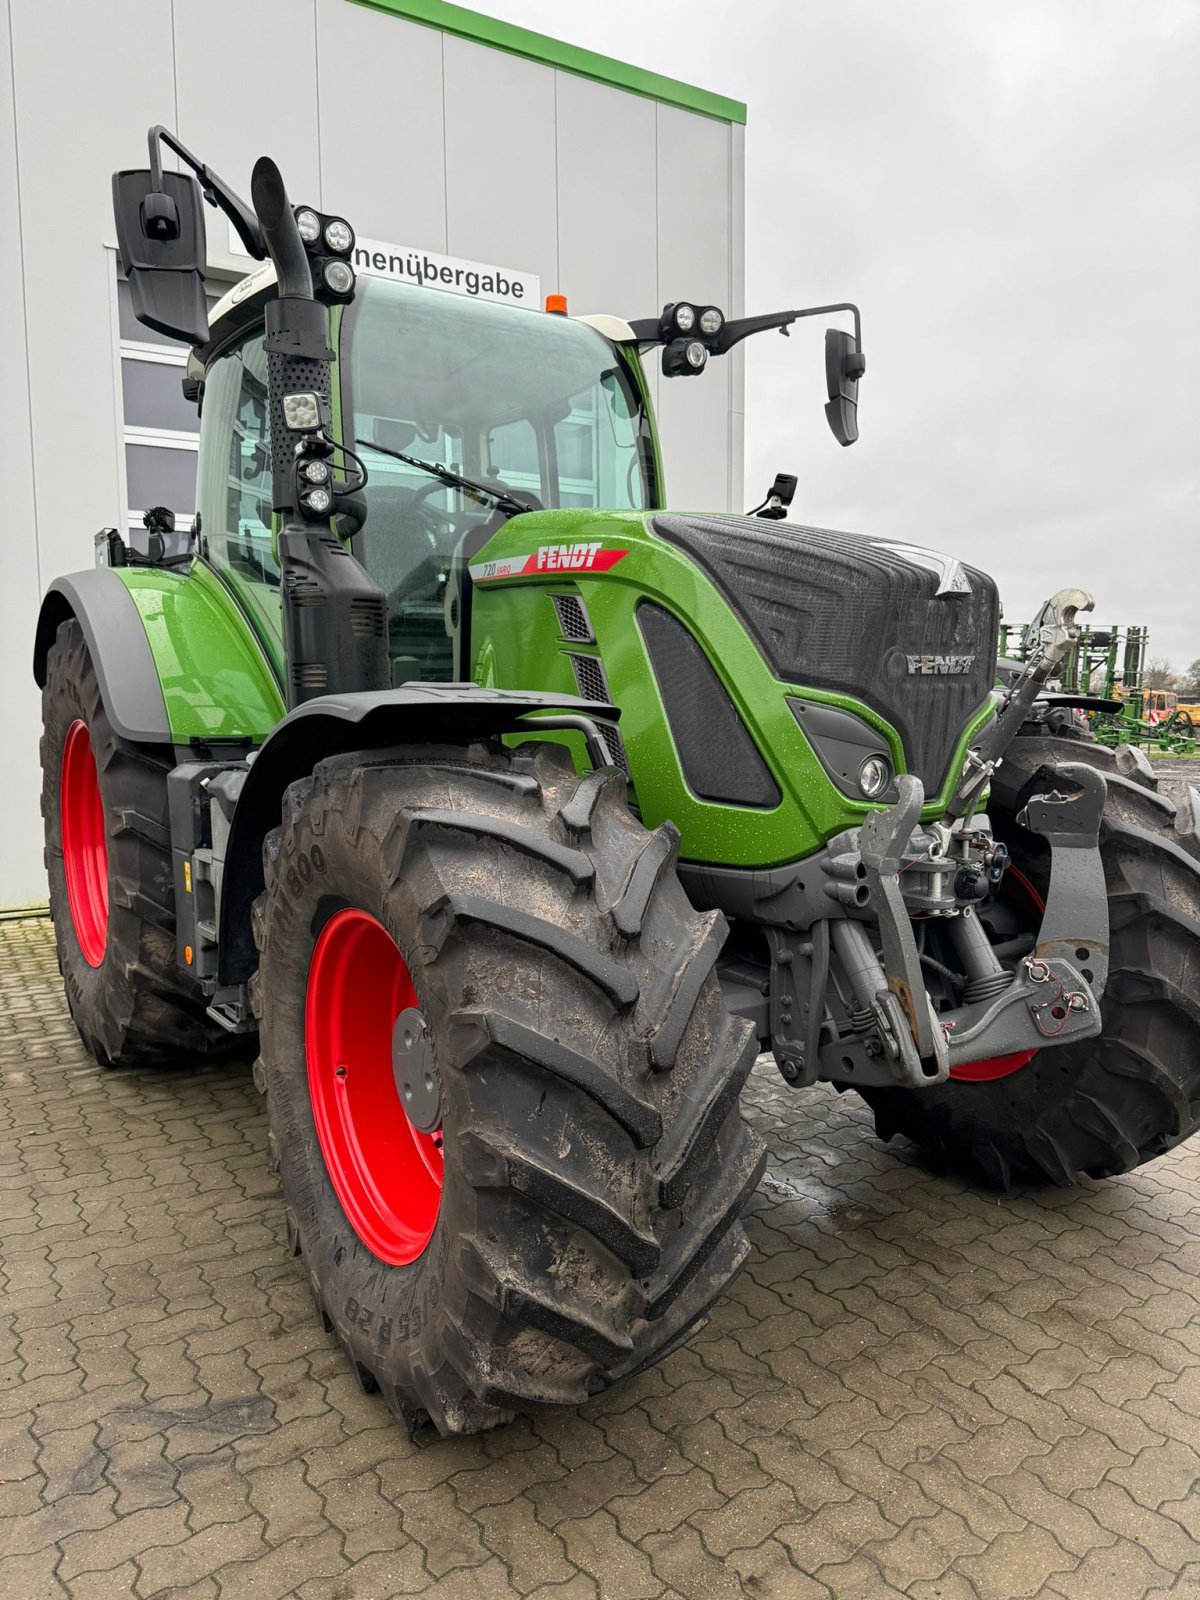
590, 678
574, 624
616, 745
719, 758
304, 592
367, 618
310, 675
591, 682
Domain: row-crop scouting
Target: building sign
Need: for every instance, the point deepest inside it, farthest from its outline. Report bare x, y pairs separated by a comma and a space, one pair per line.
453, 274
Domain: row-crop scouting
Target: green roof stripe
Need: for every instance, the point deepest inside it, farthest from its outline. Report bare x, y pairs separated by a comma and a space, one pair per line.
532, 46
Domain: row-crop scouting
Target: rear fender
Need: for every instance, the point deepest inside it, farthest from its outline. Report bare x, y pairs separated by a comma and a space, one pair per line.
117, 643
176, 657
433, 714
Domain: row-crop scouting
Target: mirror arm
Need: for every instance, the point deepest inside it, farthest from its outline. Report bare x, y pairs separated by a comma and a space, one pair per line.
648, 330
216, 191
742, 327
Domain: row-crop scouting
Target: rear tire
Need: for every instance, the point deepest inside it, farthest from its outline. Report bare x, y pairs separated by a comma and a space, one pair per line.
594, 1159
112, 898
1110, 1103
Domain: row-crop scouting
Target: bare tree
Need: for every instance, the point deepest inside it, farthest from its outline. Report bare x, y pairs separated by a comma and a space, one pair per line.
1189, 681
1159, 674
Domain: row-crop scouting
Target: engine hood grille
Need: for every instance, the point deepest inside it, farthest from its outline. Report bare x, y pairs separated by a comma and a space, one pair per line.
911, 633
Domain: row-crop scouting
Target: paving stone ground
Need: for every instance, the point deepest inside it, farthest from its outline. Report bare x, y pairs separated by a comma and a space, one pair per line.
914, 1388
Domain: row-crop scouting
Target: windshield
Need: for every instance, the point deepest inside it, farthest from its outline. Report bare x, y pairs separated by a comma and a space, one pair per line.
502, 395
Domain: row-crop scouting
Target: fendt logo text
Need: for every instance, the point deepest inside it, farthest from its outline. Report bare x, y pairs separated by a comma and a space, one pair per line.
940, 666
590, 557
566, 557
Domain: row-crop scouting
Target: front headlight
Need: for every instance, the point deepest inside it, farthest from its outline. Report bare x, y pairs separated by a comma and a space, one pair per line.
339, 236
302, 412
317, 500
874, 775
338, 276
684, 317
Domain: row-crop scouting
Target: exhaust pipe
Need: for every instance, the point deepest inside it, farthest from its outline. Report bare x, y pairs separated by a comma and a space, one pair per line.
280, 233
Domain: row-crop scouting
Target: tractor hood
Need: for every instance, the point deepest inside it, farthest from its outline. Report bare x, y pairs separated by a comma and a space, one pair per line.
909, 631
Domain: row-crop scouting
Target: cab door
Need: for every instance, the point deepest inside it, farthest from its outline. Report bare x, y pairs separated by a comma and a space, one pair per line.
233, 486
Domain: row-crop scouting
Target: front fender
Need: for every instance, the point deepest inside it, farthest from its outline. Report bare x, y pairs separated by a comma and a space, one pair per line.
421, 714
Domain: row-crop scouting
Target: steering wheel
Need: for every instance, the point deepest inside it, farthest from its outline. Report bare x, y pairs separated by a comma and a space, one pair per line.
432, 535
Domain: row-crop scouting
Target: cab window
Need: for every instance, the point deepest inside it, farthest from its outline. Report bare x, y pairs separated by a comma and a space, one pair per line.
503, 394
233, 484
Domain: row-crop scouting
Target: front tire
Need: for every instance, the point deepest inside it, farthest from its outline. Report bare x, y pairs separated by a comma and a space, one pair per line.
575, 1212
108, 863
1109, 1103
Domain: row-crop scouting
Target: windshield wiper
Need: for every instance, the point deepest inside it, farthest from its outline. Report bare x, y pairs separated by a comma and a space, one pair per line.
477, 491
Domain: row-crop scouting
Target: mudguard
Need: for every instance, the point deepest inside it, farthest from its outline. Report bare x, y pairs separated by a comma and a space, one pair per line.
413, 714
118, 646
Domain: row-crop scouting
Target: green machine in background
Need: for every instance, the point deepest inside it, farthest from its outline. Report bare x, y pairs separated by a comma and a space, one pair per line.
513, 814
1099, 687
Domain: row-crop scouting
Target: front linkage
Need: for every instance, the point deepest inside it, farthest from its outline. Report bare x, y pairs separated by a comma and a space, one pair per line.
849, 1007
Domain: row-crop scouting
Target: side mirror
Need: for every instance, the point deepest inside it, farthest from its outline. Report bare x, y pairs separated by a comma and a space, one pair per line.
844, 366
160, 234
779, 497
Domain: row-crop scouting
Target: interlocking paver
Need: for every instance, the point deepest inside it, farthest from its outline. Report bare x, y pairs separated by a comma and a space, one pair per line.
1166, 1540
1119, 1569
1017, 1565
173, 1567
914, 1390
596, 1546
533, 1554
835, 1533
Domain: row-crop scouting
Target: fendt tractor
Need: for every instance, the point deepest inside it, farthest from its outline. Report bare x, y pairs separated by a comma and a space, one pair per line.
515, 815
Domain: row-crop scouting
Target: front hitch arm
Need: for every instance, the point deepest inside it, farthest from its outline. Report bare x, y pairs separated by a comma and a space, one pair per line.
1054, 994
1054, 631
881, 841
1075, 924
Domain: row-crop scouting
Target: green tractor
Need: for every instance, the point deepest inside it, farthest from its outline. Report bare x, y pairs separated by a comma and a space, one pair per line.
514, 815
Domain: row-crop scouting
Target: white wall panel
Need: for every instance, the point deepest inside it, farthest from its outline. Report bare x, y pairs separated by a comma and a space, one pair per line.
501, 200
104, 95
22, 881
383, 155
694, 241
607, 227
223, 48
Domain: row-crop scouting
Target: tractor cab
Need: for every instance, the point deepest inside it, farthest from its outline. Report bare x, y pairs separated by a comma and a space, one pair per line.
518, 401
1158, 704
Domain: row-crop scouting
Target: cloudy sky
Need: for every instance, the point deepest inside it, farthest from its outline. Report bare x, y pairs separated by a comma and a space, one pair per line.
1010, 189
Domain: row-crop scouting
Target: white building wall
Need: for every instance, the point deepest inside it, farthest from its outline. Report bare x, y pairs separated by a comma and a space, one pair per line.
420, 138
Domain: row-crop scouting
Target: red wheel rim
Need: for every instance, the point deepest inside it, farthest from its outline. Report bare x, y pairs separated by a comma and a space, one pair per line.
386, 1173
84, 847
1023, 895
